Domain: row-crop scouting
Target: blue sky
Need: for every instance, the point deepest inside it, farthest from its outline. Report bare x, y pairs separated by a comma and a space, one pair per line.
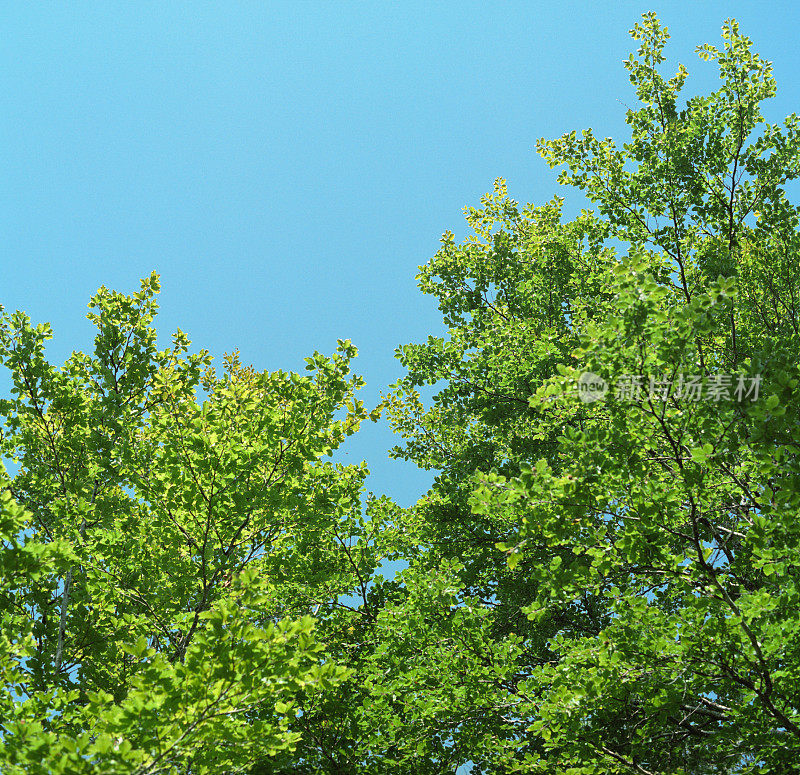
286, 167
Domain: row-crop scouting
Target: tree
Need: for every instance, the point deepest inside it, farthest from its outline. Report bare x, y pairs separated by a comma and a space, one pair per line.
176, 530
652, 541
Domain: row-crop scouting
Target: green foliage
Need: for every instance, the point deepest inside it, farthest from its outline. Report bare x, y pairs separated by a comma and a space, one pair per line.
593, 586
653, 544
179, 529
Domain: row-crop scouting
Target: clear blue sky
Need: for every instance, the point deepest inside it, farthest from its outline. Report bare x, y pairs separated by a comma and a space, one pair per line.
286, 167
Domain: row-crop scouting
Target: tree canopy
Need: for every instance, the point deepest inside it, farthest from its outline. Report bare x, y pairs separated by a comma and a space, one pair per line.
604, 576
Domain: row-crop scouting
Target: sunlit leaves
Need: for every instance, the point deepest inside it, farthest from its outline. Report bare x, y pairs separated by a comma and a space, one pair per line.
182, 526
